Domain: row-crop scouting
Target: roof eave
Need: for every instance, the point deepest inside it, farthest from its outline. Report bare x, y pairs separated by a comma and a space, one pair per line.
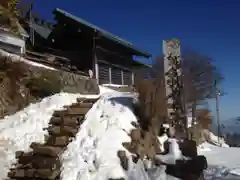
106, 34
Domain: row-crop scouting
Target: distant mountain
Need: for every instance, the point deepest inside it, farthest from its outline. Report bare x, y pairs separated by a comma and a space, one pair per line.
237, 119
231, 125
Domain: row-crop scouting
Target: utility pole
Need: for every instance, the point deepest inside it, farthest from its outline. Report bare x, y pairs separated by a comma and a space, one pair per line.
31, 24
217, 110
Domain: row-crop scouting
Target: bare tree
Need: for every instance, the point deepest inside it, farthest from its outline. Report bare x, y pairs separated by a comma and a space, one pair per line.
199, 76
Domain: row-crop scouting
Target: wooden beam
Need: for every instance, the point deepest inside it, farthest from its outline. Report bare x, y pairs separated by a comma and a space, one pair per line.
96, 68
110, 75
133, 77
122, 77
115, 65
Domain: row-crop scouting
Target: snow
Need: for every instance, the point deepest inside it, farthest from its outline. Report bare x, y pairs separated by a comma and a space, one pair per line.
104, 90
93, 154
224, 163
213, 140
161, 140
173, 154
18, 131
217, 141
15, 57
115, 85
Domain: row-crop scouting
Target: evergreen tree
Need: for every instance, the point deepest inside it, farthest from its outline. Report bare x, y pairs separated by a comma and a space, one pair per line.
9, 14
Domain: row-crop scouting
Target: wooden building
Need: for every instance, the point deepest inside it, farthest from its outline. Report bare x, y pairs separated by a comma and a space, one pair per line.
90, 47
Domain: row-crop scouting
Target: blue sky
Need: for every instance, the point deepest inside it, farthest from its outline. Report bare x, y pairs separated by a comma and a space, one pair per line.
211, 27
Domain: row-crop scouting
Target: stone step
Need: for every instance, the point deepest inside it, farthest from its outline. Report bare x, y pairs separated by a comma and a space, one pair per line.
42, 149
22, 166
58, 141
34, 173
71, 112
22, 153
93, 100
60, 113
77, 111
39, 162
67, 121
79, 105
43, 162
57, 178
62, 131
25, 157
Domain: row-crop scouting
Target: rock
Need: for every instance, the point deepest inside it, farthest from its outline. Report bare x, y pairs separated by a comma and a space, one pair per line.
39, 162
43, 162
144, 143
18, 154
135, 124
91, 86
23, 166
26, 158
171, 131
58, 141
20, 173
192, 169
77, 111
62, 131
47, 173
135, 134
59, 113
84, 100
123, 159
80, 105
66, 121
150, 152
188, 148
157, 162
140, 150
46, 150
34, 173
135, 158
147, 137
129, 146
156, 145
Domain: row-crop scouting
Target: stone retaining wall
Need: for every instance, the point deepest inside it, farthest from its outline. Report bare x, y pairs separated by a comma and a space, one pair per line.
71, 83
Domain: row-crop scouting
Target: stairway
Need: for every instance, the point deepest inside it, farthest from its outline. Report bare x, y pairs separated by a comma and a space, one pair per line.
43, 161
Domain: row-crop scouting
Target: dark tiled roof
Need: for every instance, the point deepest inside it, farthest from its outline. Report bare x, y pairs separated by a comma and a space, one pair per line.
105, 33
41, 30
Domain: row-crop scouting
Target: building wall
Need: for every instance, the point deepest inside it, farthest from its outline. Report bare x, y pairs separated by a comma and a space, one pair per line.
11, 42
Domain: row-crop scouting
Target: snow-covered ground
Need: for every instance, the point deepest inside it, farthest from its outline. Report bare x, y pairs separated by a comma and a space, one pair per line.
114, 85
93, 153
224, 162
15, 57
18, 131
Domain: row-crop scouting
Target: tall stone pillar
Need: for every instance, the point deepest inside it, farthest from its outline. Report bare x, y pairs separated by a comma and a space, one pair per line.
173, 83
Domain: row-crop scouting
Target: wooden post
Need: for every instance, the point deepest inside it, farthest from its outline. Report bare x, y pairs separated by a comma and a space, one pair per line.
31, 26
110, 75
96, 68
133, 78
122, 77
95, 59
